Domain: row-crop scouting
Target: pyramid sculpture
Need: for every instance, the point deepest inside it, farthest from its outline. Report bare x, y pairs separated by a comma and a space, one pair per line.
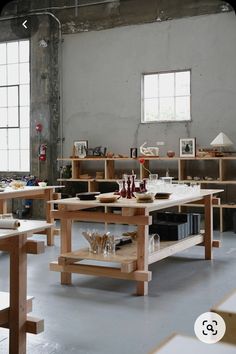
221, 140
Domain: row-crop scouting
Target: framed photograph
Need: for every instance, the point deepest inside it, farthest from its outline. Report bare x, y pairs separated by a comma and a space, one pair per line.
80, 148
187, 147
133, 153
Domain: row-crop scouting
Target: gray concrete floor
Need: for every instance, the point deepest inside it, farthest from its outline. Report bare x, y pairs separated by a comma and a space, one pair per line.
103, 316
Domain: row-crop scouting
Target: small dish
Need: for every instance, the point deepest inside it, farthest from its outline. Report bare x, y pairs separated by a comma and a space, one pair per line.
108, 198
87, 195
42, 184
145, 197
162, 195
17, 184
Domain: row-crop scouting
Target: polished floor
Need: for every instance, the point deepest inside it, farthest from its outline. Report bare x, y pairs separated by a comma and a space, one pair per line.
103, 316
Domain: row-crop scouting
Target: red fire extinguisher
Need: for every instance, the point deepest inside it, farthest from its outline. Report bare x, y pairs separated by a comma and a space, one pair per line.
42, 152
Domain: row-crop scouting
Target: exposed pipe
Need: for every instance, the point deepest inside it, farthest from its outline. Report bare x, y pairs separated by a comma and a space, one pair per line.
76, 6
38, 13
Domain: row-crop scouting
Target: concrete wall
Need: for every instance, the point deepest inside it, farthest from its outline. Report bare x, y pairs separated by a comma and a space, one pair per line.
102, 81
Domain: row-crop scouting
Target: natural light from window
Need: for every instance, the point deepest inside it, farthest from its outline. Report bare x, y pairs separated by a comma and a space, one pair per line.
166, 97
14, 106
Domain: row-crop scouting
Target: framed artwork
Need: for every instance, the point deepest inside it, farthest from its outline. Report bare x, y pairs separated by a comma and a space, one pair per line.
80, 148
133, 153
187, 147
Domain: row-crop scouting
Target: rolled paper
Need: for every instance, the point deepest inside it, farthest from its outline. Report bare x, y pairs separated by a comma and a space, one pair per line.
9, 224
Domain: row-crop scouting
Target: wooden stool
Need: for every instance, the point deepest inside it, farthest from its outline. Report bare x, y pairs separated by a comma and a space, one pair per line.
227, 309
179, 344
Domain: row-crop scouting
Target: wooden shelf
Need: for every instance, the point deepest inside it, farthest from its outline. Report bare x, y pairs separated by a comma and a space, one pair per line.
219, 168
127, 254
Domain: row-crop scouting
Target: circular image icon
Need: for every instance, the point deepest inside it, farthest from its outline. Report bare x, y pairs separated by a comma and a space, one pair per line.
209, 327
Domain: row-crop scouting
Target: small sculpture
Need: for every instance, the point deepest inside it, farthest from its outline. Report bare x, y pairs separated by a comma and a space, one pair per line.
150, 150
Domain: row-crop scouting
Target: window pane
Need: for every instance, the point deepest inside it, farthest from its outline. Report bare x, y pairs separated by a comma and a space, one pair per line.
182, 83
24, 116
3, 53
150, 109
14, 160
13, 138
24, 160
167, 108
3, 117
4, 159
24, 95
3, 96
12, 52
12, 74
24, 73
150, 86
13, 117
3, 75
12, 96
166, 84
182, 108
24, 138
3, 140
24, 51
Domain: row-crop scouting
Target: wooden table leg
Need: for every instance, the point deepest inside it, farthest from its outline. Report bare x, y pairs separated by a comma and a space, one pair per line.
208, 227
3, 206
18, 295
142, 254
66, 226
49, 219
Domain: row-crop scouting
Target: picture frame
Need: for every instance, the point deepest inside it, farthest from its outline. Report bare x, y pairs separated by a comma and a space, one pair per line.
133, 153
80, 148
187, 147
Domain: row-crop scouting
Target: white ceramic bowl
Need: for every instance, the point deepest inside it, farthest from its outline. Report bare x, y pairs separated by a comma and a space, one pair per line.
42, 184
145, 196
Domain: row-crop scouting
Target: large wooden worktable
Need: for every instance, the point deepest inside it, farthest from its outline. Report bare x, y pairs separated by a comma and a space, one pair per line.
133, 259
32, 192
15, 305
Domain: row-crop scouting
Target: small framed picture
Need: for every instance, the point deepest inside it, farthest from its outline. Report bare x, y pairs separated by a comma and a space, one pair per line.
187, 147
80, 148
133, 153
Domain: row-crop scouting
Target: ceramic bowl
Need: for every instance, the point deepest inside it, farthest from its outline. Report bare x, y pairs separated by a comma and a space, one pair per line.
108, 198
87, 195
162, 195
42, 184
144, 197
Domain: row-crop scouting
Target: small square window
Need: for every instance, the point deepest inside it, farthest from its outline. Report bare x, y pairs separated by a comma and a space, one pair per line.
166, 97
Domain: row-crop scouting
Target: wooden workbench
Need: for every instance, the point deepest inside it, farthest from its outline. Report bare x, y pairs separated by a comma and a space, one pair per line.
133, 259
32, 192
15, 305
179, 344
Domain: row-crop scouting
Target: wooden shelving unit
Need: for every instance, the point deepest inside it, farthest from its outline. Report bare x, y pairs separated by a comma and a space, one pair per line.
213, 172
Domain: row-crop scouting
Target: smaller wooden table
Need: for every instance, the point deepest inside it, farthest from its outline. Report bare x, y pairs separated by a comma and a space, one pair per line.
227, 309
33, 192
13, 310
179, 344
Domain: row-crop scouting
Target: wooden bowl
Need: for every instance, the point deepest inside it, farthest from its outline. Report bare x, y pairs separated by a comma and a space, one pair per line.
107, 199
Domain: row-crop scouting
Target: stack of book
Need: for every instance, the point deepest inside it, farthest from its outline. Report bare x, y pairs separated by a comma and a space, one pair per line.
175, 226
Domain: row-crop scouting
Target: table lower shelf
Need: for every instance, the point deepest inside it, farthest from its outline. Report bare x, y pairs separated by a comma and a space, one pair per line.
126, 257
